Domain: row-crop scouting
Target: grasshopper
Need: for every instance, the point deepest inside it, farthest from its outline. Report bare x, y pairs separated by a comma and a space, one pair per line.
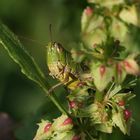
62, 66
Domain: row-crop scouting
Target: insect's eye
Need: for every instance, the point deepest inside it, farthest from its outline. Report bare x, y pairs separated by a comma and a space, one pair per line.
59, 47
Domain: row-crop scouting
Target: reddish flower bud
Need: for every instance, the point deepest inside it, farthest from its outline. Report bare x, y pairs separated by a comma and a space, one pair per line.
72, 104
131, 67
127, 114
76, 138
102, 70
88, 11
121, 103
47, 127
68, 121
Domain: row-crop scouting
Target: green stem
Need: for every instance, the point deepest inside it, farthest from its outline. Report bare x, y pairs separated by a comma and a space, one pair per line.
58, 104
99, 96
90, 137
102, 136
54, 99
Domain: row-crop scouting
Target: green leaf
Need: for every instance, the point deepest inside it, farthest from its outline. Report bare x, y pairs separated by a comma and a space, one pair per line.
116, 89
96, 37
118, 119
104, 127
90, 23
118, 29
17, 52
123, 96
130, 15
107, 3
93, 32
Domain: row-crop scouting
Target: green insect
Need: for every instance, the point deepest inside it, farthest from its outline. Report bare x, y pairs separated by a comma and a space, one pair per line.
61, 65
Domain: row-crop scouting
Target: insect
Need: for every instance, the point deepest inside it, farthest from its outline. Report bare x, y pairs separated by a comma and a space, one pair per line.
61, 65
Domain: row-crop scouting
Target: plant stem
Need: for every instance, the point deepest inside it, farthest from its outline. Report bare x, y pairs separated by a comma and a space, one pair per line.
99, 96
102, 136
90, 137
54, 99
58, 104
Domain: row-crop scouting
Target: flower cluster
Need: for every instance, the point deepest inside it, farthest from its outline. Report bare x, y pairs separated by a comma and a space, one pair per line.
61, 129
99, 73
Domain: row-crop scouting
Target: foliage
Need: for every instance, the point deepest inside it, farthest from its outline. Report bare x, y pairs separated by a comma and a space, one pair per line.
96, 73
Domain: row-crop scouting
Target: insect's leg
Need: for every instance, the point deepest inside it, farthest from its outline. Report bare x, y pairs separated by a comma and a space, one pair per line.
66, 74
61, 69
72, 76
66, 77
54, 87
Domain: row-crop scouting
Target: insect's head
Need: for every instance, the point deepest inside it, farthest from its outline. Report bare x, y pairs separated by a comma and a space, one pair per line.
54, 46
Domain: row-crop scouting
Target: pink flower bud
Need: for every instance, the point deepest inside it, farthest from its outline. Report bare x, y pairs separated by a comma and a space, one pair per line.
76, 138
121, 103
102, 70
68, 121
131, 67
88, 11
47, 127
127, 114
72, 104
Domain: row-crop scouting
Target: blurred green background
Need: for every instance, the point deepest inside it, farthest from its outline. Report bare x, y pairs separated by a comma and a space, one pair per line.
20, 98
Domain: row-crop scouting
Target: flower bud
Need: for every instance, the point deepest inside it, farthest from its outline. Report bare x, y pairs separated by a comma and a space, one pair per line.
102, 75
47, 127
131, 67
44, 131
88, 11
102, 70
62, 123
67, 121
72, 104
121, 103
127, 114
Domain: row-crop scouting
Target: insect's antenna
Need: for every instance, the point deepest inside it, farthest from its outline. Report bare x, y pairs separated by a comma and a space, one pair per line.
50, 28
30, 39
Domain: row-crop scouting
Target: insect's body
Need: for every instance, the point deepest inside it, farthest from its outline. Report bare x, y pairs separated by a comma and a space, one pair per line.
61, 65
